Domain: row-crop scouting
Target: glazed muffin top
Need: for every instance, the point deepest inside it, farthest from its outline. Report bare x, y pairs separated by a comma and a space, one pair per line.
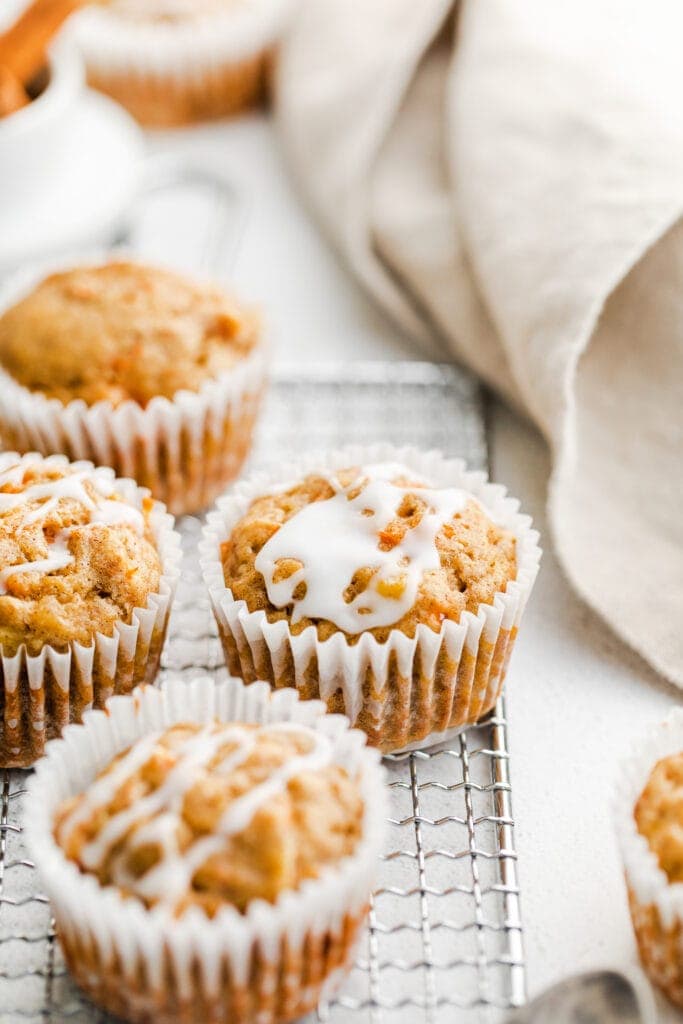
216, 814
75, 557
122, 331
659, 815
369, 549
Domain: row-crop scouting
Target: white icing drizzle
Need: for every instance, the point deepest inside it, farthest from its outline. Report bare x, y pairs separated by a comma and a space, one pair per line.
59, 558
334, 538
68, 486
47, 494
171, 876
13, 474
102, 790
117, 513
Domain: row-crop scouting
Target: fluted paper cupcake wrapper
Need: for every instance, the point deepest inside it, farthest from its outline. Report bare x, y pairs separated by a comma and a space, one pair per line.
40, 694
267, 965
185, 449
407, 688
172, 73
656, 904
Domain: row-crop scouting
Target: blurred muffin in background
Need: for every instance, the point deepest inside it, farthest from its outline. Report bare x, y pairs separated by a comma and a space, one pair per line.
172, 62
133, 367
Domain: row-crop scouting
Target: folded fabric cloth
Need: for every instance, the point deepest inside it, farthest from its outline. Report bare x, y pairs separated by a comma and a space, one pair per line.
508, 178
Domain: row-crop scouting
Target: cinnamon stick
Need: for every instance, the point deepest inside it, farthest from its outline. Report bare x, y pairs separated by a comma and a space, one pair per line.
13, 96
23, 46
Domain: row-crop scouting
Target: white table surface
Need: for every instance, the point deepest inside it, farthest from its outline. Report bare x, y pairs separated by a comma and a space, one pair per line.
577, 697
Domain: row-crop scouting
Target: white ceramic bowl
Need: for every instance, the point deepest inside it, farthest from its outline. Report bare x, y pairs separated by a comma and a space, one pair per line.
70, 166
35, 141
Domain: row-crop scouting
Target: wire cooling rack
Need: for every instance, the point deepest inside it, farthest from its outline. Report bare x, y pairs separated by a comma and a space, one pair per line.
444, 937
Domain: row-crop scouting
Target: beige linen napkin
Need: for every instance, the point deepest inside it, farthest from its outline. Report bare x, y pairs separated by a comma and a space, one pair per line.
507, 177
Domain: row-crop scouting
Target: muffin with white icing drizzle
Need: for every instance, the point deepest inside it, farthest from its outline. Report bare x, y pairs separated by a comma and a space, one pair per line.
208, 851
367, 549
87, 568
135, 367
390, 586
225, 813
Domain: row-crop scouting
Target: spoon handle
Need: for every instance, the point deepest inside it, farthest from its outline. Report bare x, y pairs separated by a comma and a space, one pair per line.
597, 997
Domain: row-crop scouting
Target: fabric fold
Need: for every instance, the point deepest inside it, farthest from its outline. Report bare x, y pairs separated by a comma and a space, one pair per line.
507, 181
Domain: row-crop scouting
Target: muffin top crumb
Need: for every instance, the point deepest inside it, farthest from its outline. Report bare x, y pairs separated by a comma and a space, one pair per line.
213, 815
659, 815
75, 557
122, 331
369, 549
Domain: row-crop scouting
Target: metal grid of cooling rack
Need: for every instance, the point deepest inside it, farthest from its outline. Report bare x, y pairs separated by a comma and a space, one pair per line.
444, 937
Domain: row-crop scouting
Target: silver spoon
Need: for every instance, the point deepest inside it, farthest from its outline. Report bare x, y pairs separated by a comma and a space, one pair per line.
597, 997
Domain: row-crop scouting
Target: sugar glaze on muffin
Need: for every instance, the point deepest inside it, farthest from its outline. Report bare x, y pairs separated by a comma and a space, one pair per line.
75, 557
368, 549
214, 814
122, 331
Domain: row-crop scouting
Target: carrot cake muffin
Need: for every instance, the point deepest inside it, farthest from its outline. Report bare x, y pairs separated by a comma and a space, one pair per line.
228, 863
137, 368
367, 550
80, 560
171, 62
649, 818
207, 815
359, 570
659, 815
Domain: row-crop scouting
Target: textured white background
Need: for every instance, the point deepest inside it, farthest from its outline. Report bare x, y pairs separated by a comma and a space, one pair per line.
576, 697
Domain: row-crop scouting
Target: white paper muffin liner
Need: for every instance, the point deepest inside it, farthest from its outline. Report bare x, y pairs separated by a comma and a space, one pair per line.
173, 72
117, 43
656, 904
185, 449
405, 689
40, 694
266, 965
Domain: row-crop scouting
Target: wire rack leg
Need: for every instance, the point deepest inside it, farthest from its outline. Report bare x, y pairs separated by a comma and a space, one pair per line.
4, 825
430, 988
375, 1012
474, 868
502, 792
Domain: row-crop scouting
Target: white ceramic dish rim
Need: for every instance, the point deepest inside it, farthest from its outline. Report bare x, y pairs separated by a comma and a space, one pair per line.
65, 81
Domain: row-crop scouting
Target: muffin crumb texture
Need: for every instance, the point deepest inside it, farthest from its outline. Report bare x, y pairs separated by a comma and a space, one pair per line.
75, 557
659, 815
122, 331
368, 549
212, 815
